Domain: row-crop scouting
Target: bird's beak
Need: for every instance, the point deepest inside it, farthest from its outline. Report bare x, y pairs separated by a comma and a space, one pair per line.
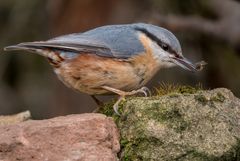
185, 64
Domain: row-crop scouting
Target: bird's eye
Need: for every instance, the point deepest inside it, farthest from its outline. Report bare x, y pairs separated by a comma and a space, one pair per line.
165, 47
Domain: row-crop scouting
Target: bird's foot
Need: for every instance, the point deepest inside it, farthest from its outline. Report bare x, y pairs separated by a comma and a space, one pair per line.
123, 94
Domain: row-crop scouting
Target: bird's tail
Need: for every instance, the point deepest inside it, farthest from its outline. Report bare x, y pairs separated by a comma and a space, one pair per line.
36, 47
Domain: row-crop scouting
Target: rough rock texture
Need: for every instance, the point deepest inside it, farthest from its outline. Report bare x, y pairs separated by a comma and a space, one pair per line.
13, 119
85, 137
203, 126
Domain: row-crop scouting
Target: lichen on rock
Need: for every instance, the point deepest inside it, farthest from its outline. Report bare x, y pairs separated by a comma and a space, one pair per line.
199, 125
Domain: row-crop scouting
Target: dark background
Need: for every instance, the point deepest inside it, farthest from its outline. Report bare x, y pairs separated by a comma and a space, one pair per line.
207, 29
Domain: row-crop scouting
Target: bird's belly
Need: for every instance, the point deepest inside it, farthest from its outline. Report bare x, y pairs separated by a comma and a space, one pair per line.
88, 73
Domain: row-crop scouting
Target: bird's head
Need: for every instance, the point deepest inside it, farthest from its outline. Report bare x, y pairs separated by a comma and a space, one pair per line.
165, 46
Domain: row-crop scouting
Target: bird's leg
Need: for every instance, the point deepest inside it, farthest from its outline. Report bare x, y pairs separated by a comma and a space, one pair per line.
122, 94
98, 102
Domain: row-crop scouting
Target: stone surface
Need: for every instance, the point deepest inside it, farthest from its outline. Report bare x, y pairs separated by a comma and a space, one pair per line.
202, 126
84, 137
13, 119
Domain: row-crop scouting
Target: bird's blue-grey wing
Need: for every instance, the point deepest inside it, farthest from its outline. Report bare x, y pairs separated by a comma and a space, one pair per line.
65, 45
118, 41
121, 39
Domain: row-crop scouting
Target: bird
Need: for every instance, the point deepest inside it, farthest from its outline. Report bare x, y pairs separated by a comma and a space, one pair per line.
113, 59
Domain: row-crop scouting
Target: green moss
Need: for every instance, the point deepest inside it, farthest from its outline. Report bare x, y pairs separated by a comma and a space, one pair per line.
123, 142
134, 149
173, 95
181, 126
168, 114
187, 90
108, 110
165, 89
218, 98
195, 155
202, 99
138, 143
231, 155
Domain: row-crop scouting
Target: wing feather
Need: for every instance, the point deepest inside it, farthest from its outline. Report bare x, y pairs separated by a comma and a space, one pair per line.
117, 41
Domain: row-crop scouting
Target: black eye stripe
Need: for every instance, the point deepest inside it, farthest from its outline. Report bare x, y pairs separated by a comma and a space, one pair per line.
164, 46
153, 37
150, 35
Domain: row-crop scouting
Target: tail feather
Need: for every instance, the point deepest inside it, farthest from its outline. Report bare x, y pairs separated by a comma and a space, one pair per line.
28, 46
15, 47
33, 47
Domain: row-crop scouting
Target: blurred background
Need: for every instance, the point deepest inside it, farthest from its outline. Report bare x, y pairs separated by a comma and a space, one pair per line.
207, 29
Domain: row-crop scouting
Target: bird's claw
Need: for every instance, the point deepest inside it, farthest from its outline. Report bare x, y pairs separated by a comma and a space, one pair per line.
115, 106
122, 94
145, 91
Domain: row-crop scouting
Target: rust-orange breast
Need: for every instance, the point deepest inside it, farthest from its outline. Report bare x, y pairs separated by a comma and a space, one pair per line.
88, 72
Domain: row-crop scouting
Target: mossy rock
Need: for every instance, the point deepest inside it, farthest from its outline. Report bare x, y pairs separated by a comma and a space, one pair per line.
201, 126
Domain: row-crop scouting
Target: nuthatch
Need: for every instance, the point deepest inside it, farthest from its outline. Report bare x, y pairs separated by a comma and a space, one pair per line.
118, 59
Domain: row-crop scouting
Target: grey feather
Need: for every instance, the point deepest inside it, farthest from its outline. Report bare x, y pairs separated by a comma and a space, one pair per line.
119, 41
